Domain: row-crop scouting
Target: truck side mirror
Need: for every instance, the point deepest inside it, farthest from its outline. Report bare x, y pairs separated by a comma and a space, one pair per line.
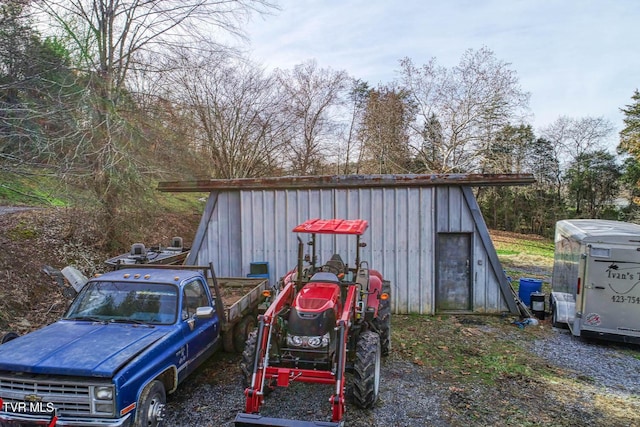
204, 312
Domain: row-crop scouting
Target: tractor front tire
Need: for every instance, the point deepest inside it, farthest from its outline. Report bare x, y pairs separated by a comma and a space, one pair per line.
366, 370
248, 357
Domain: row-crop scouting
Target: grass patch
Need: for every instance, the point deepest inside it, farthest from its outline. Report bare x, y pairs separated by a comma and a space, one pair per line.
22, 232
467, 349
31, 190
513, 244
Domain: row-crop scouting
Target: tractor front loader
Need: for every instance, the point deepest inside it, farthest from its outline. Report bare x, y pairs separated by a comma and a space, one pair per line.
326, 320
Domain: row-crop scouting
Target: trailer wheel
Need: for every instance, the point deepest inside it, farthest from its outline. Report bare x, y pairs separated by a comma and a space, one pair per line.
227, 341
366, 370
151, 405
242, 331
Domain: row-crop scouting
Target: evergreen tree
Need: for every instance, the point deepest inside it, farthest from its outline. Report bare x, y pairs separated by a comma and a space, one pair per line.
630, 135
35, 85
593, 183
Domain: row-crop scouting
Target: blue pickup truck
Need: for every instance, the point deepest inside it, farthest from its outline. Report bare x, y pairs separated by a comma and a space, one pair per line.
129, 338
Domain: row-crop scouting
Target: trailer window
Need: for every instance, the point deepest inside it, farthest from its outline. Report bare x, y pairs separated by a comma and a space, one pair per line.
600, 252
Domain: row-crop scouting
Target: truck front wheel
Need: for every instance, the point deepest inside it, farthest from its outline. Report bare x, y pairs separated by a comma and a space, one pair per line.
151, 405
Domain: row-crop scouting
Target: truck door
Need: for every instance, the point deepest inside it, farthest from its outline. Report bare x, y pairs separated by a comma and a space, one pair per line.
200, 334
612, 290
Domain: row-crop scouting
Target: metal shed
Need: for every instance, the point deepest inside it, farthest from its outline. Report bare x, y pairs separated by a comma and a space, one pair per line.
426, 233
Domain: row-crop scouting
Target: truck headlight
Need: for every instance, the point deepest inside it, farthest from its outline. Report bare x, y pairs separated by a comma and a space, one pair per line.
103, 400
103, 393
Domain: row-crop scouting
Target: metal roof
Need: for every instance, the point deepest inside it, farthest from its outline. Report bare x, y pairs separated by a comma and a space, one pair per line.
599, 230
346, 181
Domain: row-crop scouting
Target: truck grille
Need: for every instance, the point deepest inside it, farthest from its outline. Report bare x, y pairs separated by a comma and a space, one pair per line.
71, 398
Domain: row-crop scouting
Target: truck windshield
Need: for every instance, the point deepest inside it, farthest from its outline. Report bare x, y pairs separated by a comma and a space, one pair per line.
153, 303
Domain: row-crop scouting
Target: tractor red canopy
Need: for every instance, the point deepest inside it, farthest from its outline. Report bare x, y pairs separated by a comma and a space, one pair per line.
333, 226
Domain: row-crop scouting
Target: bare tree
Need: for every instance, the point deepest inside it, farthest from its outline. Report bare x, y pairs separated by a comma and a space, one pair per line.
348, 151
35, 83
311, 95
236, 111
471, 102
574, 137
110, 39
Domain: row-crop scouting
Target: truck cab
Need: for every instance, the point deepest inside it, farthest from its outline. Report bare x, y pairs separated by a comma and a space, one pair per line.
129, 338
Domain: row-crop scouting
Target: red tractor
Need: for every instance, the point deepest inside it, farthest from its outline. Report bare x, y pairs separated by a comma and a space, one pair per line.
325, 320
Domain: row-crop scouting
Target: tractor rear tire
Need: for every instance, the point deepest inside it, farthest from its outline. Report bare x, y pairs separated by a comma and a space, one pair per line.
366, 370
383, 321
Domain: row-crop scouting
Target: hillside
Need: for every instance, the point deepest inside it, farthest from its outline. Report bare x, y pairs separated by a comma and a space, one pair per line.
58, 237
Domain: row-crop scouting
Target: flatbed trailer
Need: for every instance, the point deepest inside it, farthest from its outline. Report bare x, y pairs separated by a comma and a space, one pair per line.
243, 299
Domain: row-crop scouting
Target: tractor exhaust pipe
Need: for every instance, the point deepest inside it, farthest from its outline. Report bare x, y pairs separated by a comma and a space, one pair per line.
299, 266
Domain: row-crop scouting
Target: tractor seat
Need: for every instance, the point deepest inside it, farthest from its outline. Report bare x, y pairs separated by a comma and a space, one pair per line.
335, 262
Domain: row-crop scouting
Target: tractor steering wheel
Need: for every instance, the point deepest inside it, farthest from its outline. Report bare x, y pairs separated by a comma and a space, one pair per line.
329, 269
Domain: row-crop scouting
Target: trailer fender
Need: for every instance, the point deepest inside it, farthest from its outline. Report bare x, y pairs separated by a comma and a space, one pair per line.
563, 308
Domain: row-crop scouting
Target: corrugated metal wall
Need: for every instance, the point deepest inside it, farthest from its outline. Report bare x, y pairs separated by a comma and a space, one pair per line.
244, 226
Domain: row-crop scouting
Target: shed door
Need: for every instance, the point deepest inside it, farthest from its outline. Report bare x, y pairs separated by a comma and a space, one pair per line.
453, 275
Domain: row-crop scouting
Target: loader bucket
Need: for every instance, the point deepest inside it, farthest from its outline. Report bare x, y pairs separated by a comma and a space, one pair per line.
248, 420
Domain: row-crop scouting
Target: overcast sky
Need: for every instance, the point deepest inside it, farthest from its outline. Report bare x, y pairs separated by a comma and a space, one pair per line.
577, 58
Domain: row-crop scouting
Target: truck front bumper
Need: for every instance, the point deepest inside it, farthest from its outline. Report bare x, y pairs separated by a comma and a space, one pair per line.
11, 419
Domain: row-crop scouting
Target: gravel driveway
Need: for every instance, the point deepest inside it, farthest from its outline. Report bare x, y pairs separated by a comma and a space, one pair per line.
602, 363
412, 395
217, 403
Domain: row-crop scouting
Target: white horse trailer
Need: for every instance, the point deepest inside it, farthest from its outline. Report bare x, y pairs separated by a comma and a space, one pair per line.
596, 276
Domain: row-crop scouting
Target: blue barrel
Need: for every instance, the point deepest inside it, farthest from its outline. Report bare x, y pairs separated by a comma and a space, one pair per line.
527, 287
